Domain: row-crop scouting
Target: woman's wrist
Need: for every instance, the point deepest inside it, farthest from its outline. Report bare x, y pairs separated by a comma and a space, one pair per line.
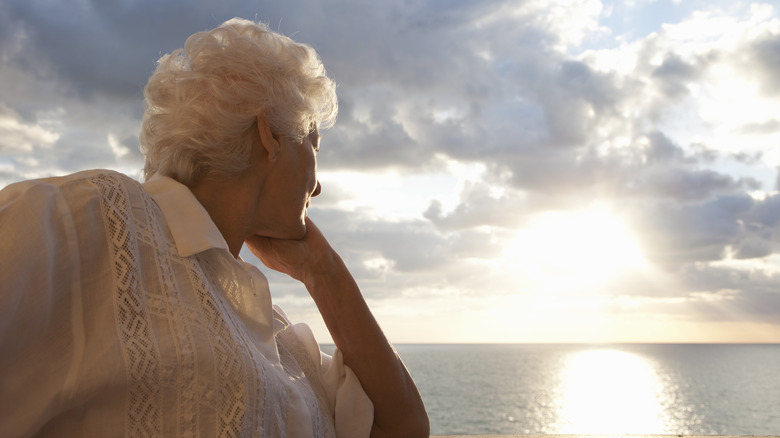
323, 268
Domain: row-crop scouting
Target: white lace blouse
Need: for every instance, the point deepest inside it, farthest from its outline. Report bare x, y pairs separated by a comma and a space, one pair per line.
122, 313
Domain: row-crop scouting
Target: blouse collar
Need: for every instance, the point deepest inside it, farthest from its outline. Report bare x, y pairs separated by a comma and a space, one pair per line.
191, 226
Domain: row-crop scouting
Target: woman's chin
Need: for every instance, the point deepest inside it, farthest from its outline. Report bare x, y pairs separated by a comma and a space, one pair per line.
299, 235
296, 232
293, 230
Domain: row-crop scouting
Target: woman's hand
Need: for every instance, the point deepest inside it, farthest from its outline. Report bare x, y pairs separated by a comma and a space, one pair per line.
398, 408
296, 258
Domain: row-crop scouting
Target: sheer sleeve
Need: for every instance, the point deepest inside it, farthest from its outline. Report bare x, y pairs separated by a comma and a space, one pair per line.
354, 412
41, 336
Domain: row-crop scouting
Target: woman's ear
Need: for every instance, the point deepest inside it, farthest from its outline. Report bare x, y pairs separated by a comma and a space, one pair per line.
270, 143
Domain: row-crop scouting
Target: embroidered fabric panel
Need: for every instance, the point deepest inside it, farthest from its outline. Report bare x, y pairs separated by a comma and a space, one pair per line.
164, 300
141, 355
192, 368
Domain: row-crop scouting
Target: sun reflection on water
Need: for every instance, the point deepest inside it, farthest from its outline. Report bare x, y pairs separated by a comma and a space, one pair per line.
610, 392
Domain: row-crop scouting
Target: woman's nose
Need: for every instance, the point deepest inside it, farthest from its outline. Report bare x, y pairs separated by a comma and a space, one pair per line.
317, 190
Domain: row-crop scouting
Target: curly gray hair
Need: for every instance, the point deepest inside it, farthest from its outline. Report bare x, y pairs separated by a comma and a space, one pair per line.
202, 101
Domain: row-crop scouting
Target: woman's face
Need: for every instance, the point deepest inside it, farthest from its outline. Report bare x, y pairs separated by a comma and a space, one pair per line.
289, 185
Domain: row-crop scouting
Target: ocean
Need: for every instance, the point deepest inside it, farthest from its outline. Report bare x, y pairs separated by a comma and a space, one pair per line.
708, 389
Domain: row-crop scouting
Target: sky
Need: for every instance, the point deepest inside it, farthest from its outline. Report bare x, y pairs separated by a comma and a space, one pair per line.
500, 170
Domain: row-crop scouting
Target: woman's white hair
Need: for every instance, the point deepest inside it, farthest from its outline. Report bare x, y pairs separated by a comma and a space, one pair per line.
202, 101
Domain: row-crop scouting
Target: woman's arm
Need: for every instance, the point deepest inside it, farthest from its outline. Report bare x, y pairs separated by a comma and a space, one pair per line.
398, 407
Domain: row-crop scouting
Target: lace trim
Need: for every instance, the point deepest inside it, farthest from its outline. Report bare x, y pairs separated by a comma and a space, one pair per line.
134, 327
183, 376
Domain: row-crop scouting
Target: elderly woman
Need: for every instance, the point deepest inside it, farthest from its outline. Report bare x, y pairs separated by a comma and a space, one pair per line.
125, 309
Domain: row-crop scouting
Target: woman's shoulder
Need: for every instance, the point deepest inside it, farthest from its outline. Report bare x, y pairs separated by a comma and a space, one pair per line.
94, 176
58, 182
73, 192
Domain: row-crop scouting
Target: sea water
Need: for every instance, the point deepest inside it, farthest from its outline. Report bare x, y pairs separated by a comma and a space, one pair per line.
598, 389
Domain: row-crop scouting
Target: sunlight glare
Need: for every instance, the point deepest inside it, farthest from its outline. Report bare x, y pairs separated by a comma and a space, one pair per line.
576, 249
610, 392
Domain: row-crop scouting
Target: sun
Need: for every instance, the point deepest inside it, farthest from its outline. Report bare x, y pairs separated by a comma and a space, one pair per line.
575, 249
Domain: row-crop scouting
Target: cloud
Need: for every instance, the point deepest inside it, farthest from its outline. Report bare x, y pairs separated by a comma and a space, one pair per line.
767, 127
766, 213
747, 294
674, 75
686, 184
105, 48
559, 106
410, 245
555, 131
478, 207
17, 136
729, 226
535, 106
765, 53
675, 234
